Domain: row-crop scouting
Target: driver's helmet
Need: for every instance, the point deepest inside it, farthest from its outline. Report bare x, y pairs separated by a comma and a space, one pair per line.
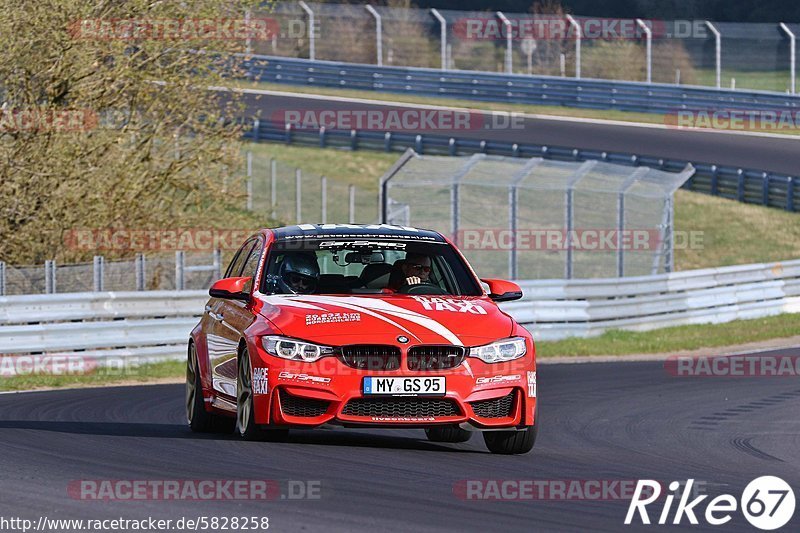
299, 274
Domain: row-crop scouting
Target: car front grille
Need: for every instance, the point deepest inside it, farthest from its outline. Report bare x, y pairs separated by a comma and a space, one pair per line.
401, 407
371, 356
299, 406
494, 408
435, 357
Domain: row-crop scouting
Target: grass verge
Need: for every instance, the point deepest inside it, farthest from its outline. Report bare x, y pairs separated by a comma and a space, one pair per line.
674, 339
132, 375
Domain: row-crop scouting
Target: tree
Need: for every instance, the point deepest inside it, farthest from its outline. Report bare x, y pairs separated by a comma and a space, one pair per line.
107, 120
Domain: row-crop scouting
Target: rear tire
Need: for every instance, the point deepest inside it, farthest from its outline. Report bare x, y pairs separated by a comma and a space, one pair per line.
245, 409
200, 420
453, 434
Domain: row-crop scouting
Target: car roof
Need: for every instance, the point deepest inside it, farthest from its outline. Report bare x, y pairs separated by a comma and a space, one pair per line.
346, 231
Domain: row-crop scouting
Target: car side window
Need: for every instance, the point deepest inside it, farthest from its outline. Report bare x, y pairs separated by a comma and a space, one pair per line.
235, 268
251, 265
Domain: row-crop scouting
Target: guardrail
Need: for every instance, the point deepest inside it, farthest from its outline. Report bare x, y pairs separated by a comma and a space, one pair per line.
555, 309
512, 88
744, 185
155, 325
99, 327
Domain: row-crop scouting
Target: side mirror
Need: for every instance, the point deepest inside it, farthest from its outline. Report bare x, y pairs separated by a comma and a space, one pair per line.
503, 291
230, 289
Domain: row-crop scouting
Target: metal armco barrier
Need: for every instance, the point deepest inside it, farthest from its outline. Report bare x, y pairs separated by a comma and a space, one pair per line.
512, 88
743, 185
155, 325
556, 309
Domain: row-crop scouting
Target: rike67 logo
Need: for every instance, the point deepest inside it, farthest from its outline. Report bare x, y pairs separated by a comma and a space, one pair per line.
767, 503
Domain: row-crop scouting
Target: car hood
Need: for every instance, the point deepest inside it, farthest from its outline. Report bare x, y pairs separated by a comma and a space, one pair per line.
381, 319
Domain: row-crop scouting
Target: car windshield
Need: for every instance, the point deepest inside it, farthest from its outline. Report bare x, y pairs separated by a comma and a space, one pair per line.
368, 266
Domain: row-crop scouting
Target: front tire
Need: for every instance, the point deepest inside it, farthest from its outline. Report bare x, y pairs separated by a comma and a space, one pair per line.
245, 408
513, 442
453, 434
200, 420
510, 442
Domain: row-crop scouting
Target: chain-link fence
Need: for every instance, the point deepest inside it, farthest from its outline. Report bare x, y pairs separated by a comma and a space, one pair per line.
293, 196
746, 55
541, 219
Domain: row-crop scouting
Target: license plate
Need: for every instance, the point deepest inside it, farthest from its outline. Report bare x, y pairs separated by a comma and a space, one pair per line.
404, 386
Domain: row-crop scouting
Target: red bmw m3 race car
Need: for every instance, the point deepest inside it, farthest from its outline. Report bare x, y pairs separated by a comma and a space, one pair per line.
361, 326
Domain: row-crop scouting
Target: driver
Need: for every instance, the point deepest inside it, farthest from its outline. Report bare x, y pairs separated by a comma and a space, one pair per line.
414, 269
299, 274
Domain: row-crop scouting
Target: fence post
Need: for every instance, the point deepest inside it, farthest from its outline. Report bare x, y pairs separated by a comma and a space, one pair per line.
248, 46
648, 48
442, 36
287, 136
50, 276
351, 190
2, 278
789, 195
387, 141
765, 188
578, 38
378, 33
322, 136
249, 180
179, 270
512, 226
353, 140
418, 144
509, 42
140, 272
311, 43
718, 51
324, 186
740, 185
620, 229
256, 130
98, 268
217, 263
451, 146
714, 180
273, 173
298, 186
792, 56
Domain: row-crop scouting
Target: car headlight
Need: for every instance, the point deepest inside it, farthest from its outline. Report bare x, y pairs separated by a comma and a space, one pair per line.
294, 349
500, 351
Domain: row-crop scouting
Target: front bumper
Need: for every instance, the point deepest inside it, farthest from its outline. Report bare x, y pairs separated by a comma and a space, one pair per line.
479, 396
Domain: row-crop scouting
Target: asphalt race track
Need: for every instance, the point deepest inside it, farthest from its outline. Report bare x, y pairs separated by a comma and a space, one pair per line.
602, 421
775, 154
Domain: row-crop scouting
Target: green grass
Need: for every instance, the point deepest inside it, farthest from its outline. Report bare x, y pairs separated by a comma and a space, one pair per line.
361, 168
668, 340
734, 233
756, 80
131, 375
